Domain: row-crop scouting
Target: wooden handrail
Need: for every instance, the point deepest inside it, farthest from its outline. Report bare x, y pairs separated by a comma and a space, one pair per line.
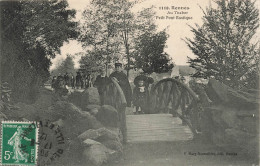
160, 88
117, 100
180, 83
120, 92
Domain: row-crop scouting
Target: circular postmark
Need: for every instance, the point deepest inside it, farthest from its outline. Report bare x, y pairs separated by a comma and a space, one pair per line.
51, 143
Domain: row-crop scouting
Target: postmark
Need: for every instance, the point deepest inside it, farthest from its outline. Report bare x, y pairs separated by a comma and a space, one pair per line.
19, 143
51, 143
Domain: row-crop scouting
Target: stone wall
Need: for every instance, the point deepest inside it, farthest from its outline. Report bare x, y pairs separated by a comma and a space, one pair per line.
232, 119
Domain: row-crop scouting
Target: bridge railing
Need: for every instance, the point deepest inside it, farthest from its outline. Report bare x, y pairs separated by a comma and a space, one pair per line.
114, 96
172, 96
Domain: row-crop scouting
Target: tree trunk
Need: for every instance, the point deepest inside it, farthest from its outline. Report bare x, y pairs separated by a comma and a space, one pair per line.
128, 61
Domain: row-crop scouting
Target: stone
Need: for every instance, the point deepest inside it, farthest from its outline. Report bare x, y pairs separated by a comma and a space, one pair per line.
218, 137
220, 93
99, 135
229, 117
92, 109
248, 124
97, 154
90, 96
59, 123
114, 145
90, 142
108, 116
237, 137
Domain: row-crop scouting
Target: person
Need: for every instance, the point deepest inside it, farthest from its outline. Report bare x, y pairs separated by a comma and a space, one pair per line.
140, 97
101, 81
88, 82
82, 80
72, 81
60, 87
66, 79
183, 80
53, 82
60, 81
147, 81
123, 82
78, 80
16, 142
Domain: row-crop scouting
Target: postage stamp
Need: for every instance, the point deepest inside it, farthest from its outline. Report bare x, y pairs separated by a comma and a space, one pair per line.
19, 143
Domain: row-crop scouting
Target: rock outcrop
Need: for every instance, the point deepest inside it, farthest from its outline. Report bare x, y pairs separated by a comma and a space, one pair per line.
232, 119
108, 116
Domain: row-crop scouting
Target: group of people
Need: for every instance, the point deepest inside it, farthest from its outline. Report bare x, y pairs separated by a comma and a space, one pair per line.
138, 97
68, 80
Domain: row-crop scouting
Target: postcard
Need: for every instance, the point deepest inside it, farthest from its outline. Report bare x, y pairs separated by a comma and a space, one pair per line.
130, 82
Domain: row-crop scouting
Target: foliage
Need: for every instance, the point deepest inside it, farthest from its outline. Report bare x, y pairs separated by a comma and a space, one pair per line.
150, 56
110, 30
32, 31
66, 66
91, 62
99, 30
223, 46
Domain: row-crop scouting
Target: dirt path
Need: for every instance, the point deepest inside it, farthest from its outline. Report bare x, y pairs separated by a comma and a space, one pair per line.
179, 154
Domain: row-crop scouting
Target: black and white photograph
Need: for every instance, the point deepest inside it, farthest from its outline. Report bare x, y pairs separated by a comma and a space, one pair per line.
129, 82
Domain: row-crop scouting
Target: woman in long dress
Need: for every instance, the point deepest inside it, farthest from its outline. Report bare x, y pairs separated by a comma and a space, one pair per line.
15, 141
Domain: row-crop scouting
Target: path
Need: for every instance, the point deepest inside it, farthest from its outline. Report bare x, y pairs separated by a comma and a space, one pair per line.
156, 127
162, 140
70, 89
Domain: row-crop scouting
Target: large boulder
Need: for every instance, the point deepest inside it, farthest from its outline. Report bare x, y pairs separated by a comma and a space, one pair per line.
237, 137
114, 145
90, 142
220, 93
92, 109
108, 116
74, 120
99, 135
97, 154
90, 96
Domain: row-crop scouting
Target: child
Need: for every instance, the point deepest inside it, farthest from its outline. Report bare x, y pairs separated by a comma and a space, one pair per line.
140, 94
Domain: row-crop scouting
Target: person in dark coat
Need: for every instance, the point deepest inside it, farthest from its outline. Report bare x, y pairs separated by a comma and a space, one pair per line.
72, 81
78, 80
81, 80
123, 82
147, 81
101, 81
140, 97
53, 82
66, 78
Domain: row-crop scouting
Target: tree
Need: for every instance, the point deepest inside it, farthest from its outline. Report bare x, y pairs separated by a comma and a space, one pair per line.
110, 29
223, 46
32, 32
66, 66
99, 30
150, 55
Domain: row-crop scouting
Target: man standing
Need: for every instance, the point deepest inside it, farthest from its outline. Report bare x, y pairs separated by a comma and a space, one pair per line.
101, 82
123, 82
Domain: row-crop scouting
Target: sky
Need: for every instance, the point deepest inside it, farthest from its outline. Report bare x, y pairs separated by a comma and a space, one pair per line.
167, 16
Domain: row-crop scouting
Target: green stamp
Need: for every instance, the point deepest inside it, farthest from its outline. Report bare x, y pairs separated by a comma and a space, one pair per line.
19, 143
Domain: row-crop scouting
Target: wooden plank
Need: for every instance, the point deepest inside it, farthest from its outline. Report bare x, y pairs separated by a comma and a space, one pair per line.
156, 127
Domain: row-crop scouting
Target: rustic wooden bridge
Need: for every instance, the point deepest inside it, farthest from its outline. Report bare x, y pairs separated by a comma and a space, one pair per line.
174, 113
156, 127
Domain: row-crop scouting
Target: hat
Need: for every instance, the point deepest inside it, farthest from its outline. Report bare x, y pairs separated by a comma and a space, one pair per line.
118, 64
139, 78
